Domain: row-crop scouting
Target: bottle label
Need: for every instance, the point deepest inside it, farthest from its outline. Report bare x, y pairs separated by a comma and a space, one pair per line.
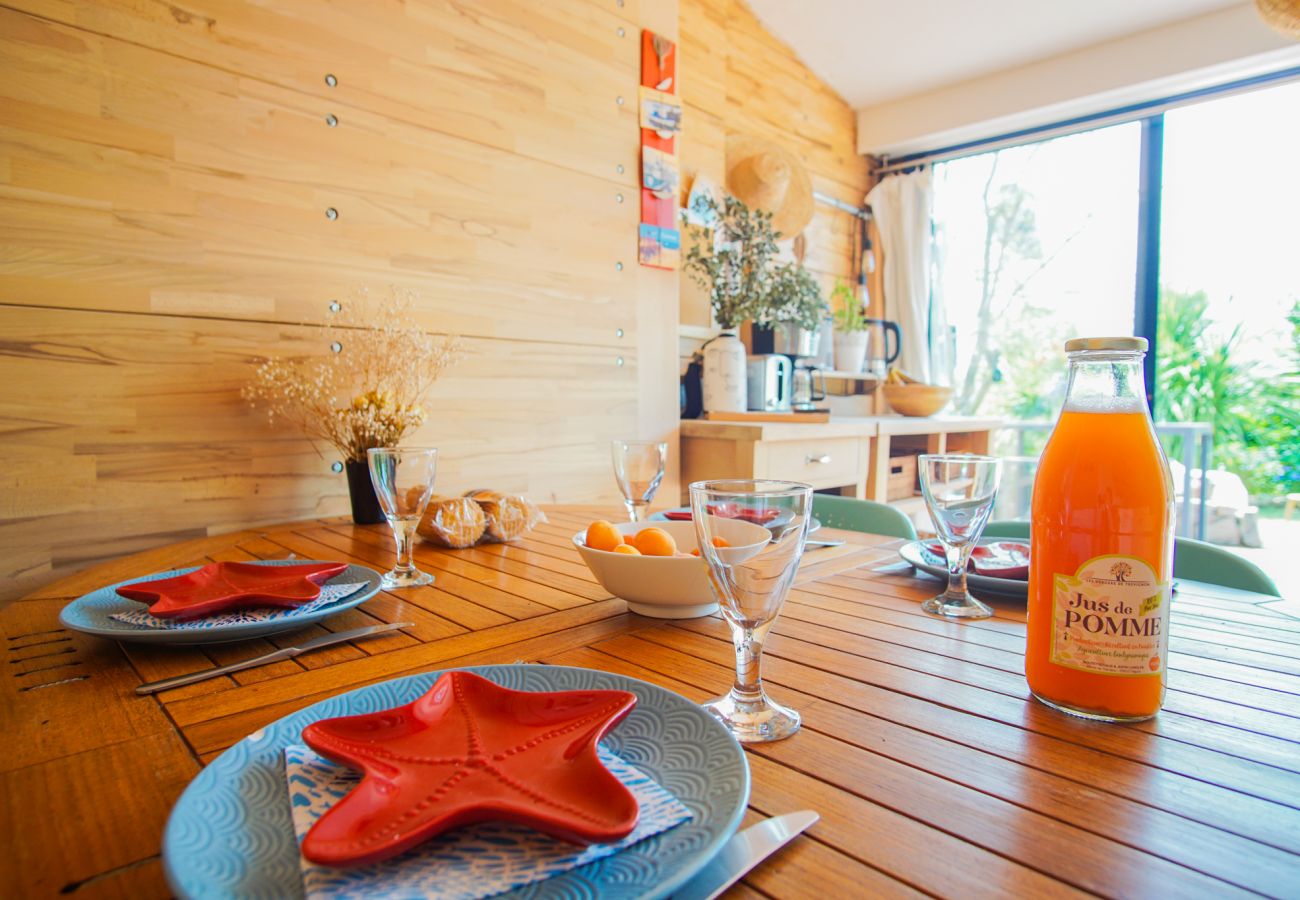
1111, 618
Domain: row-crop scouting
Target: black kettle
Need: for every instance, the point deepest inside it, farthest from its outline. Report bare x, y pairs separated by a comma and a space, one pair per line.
888, 329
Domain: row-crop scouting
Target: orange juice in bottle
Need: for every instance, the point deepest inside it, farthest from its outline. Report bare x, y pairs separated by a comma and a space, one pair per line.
1101, 544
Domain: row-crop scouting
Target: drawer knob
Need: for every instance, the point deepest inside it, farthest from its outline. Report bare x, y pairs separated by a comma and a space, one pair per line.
823, 459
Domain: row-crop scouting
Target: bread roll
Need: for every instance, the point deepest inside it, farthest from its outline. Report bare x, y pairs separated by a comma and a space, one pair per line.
452, 522
508, 515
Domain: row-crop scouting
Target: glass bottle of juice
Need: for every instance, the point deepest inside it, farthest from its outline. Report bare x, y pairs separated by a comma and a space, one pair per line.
1101, 544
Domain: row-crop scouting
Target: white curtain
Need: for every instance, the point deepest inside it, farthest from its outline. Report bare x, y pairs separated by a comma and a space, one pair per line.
901, 207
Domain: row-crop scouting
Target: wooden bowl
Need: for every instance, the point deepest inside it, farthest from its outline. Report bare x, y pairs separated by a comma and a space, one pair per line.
917, 399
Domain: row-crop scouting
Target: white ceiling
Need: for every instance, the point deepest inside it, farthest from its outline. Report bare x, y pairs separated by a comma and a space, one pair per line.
875, 50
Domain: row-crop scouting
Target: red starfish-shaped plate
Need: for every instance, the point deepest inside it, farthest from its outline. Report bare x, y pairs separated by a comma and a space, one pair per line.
471, 751
226, 586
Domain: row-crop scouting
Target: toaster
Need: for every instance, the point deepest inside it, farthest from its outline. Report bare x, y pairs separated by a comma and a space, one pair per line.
769, 378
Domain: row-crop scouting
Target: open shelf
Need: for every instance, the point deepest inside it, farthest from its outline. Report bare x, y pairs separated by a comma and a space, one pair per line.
851, 376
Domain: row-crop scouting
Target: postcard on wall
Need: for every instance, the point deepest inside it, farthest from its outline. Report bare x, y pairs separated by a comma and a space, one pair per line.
660, 247
660, 112
659, 172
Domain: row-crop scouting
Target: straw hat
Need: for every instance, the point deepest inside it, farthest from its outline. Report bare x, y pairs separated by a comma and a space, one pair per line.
1283, 16
766, 176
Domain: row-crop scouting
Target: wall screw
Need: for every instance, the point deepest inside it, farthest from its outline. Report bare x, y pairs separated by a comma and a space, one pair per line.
332, 120
331, 80
331, 214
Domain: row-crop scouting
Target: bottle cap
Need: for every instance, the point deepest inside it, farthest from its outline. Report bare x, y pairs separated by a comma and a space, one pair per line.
1128, 344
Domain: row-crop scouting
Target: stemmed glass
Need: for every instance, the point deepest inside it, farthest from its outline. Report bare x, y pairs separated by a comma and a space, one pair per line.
403, 479
638, 468
959, 491
752, 542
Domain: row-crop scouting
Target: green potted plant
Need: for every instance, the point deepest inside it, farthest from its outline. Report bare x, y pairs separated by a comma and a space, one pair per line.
850, 336
736, 267
794, 310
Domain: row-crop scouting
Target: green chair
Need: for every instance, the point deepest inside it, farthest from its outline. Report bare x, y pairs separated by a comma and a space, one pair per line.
1199, 561
1194, 560
862, 515
1008, 528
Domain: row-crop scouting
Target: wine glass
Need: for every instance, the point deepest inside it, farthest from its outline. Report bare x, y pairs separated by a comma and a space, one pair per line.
959, 491
403, 479
638, 468
751, 535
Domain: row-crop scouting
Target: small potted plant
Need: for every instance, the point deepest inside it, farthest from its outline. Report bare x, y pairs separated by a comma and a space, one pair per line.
365, 393
736, 267
850, 336
794, 309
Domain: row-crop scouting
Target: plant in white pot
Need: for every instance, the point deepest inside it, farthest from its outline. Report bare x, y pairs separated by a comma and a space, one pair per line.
850, 337
737, 272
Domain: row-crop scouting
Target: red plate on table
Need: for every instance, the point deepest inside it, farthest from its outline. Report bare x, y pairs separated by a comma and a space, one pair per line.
227, 586
1001, 566
729, 511
469, 751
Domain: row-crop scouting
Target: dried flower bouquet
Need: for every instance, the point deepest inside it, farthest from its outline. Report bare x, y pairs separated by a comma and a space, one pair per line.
367, 393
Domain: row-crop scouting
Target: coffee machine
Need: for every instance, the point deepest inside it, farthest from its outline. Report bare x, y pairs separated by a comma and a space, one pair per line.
803, 347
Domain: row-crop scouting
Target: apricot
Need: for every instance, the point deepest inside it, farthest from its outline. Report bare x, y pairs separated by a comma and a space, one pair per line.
628, 549
655, 542
717, 542
602, 535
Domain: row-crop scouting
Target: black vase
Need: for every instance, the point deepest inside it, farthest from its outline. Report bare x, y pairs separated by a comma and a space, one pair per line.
365, 505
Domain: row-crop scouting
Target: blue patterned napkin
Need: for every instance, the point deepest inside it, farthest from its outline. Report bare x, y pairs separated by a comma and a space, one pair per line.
330, 593
469, 862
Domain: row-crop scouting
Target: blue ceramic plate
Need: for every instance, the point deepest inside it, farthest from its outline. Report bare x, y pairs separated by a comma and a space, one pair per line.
231, 834
661, 516
92, 613
923, 559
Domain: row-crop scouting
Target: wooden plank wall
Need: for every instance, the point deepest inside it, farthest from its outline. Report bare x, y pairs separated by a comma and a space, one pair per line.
165, 176
739, 78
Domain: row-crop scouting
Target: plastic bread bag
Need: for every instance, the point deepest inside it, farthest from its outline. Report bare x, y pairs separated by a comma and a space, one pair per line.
452, 522
508, 515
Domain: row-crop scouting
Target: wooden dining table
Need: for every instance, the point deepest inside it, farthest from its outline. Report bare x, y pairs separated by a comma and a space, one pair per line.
933, 770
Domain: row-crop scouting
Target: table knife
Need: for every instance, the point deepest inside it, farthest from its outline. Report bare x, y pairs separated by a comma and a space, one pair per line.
745, 850
275, 656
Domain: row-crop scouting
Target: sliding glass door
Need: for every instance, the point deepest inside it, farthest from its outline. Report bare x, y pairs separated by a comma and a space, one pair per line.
1047, 241
1229, 310
1035, 245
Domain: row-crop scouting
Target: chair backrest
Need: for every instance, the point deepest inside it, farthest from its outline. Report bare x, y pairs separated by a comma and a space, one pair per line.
1211, 563
1008, 528
1195, 560
862, 515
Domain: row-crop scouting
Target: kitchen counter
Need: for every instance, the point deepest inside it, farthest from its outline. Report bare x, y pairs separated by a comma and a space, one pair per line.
850, 453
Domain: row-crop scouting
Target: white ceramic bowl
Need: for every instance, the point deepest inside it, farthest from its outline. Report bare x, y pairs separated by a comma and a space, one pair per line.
666, 587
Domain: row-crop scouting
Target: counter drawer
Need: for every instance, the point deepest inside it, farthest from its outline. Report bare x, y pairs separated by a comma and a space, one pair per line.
821, 463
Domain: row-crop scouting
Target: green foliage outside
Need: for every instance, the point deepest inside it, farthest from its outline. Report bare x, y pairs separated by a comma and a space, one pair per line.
1254, 408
